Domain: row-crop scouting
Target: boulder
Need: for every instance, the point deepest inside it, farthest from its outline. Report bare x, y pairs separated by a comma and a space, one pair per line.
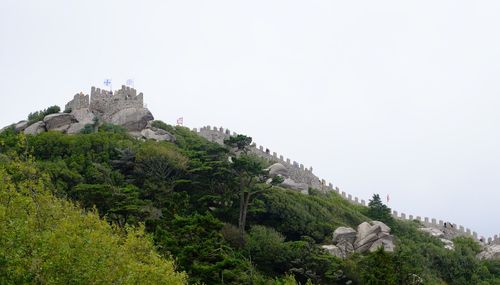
433, 232
373, 235
289, 183
490, 252
133, 119
345, 247
84, 116
448, 244
341, 250
333, 250
362, 245
36, 128
21, 126
278, 169
365, 230
157, 134
383, 227
344, 233
386, 244
75, 128
59, 121
369, 237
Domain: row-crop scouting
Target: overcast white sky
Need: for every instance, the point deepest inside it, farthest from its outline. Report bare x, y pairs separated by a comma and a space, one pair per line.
389, 97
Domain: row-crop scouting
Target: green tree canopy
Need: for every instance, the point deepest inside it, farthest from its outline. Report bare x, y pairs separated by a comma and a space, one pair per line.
47, 240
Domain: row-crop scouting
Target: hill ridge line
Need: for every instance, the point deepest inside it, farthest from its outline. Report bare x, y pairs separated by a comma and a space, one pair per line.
301, 174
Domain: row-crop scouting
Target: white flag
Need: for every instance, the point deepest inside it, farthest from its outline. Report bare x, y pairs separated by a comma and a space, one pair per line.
180, 121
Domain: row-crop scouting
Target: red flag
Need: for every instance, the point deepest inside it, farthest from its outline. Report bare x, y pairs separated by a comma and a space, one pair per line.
180, 121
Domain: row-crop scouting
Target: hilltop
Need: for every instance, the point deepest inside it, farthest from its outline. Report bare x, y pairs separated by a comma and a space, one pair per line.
228, 211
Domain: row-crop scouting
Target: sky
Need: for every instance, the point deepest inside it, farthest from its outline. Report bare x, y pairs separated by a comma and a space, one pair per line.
399, 98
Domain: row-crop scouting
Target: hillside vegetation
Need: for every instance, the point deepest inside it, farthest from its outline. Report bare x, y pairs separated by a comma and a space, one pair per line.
47, 240
189, 200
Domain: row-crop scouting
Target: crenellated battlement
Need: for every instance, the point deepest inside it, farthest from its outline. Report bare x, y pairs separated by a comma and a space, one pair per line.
301, 174
104, 103
298, 172
80, 101
452, 228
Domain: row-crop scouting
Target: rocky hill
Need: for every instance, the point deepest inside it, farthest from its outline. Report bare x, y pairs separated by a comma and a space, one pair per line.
223, 206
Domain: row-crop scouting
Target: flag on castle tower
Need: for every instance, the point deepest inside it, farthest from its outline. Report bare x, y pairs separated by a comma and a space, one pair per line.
180, 121
107, 82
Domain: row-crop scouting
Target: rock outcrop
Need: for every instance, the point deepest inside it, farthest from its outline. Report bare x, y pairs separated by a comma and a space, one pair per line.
334, 250
368, 237
433, 232
448, 244
124, 108
132, 119
157, 134
59, 121
490, 251
279, 169
84, 117
21, 126
36, 128
291, 184
344, 233
343, 238
373, 235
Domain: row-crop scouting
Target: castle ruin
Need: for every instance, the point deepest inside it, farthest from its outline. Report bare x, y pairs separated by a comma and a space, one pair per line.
301, 174
104, 104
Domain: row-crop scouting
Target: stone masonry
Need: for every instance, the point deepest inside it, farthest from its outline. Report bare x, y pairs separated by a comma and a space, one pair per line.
300, 174
104, 104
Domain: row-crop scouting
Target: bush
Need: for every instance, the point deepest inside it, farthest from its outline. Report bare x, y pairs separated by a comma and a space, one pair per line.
295, 215
162, 125
88, 129
378, 211
266, 247
46, 240
110, 128
39, 115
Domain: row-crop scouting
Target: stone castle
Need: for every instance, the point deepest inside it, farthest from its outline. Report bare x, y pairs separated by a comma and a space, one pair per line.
305, 178
125, 108
105, 104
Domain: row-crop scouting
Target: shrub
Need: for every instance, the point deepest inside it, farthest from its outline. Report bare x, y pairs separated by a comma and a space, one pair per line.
46, 240
39, 115
162, 125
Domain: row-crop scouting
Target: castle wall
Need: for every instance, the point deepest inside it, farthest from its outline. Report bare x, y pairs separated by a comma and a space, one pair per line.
296, 171
300, 174
80, 101
105, 104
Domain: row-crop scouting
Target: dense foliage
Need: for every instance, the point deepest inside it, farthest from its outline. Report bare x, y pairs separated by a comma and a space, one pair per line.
47, 240
39, 115
208, 206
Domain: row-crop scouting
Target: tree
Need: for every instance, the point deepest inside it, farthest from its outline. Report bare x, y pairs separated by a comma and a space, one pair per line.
39, 115
251, 178
47, 240
200, 249
240, 142
377, 268
267, 249
378, 211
